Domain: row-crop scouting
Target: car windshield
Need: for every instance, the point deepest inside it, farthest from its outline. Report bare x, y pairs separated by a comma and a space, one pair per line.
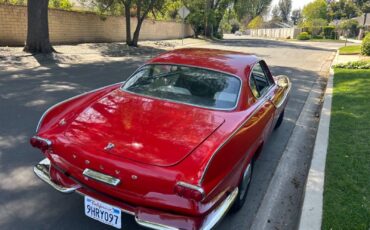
190, 85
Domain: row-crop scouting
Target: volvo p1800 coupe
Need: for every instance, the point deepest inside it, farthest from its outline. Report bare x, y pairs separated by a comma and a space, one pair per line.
174, 145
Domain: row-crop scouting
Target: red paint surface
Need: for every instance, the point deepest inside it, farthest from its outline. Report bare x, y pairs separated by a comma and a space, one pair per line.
161, 142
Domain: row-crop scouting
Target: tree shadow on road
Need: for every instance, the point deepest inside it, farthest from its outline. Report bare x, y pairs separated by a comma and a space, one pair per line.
123, 50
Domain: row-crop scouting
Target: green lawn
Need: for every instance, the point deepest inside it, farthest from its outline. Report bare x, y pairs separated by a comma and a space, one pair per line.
347, 176
350, 50
326, 40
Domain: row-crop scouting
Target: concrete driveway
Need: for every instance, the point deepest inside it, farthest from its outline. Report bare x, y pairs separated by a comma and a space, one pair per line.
26, 202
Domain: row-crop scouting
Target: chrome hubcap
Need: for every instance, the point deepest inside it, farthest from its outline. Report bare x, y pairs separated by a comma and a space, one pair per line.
245, 181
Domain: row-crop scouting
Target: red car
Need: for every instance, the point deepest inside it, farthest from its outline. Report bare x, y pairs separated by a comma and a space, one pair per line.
174, 145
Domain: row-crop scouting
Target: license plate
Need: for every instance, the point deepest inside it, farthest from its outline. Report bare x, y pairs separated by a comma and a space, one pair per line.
103, 212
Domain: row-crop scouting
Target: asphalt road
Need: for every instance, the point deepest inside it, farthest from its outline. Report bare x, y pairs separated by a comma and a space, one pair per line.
28, 203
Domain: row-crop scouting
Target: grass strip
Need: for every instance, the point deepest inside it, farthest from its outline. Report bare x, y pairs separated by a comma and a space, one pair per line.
347, 176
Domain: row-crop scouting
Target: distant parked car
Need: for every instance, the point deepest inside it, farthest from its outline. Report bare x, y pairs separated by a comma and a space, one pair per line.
174, 145
238, 33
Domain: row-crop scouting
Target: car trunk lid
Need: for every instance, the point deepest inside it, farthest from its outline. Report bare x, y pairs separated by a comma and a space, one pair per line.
141, 129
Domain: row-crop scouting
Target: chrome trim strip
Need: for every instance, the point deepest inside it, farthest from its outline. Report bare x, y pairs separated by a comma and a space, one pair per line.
217, 214
47, 141
228, 139
101, 177
68, 99
152, 225
179, 102
194, 187
42, 170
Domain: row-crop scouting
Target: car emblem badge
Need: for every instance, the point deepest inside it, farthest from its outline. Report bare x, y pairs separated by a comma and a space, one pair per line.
109, 146
62, 122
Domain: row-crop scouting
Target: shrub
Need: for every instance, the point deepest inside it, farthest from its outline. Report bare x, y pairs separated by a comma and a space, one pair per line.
365, 49
354, 65
61, 4
329, 32
256, 23
304, 36
317, 36
350, 27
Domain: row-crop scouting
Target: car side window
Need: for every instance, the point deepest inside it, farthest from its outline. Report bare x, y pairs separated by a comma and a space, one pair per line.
259, 80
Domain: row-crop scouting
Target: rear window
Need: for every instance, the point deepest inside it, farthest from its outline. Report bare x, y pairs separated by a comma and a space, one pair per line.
190, 85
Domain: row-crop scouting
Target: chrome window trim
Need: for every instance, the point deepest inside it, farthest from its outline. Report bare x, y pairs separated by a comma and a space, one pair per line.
69, 99
184, 103
249, 83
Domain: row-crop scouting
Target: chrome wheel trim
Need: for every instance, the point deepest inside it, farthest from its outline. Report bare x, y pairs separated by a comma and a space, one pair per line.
245, 181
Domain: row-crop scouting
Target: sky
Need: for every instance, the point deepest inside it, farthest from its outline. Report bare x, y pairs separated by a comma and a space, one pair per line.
296, 4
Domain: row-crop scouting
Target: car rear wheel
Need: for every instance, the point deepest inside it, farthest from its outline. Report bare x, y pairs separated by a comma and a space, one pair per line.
243, 188
280, 120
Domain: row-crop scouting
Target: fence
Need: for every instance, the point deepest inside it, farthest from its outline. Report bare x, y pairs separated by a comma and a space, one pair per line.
274, 33
68, 27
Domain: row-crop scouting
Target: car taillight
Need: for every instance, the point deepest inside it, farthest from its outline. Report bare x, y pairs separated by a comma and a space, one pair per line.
189, 191
40, 143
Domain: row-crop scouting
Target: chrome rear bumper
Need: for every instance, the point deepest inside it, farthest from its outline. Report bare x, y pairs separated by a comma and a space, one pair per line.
42, 170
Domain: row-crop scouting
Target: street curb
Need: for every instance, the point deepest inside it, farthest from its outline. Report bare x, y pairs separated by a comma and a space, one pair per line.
312, 209
282, 190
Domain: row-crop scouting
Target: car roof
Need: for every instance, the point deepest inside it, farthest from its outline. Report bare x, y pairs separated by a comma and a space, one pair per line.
231, 62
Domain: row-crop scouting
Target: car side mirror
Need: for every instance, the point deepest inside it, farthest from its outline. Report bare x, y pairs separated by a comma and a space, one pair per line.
282, 81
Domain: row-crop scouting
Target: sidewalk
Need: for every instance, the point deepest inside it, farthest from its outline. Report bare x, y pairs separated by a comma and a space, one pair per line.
312, 209
13, 58
351, 40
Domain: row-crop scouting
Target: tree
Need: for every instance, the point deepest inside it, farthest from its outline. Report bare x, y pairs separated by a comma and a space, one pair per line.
249, 9
229, 22
141, 9
206, 15
349, 27
38, 29
296, 16
285, 6
315, 10
365, 8
276, 14
343, 9
256, 23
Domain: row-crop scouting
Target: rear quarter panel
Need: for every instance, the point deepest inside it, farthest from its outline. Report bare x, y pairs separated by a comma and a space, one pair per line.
227, 164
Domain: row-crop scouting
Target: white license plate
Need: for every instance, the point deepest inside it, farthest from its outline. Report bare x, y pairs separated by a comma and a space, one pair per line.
103, 212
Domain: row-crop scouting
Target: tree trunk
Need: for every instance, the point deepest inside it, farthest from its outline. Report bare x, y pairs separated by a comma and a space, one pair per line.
38, 28
135, 38
362, 30
128, 22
